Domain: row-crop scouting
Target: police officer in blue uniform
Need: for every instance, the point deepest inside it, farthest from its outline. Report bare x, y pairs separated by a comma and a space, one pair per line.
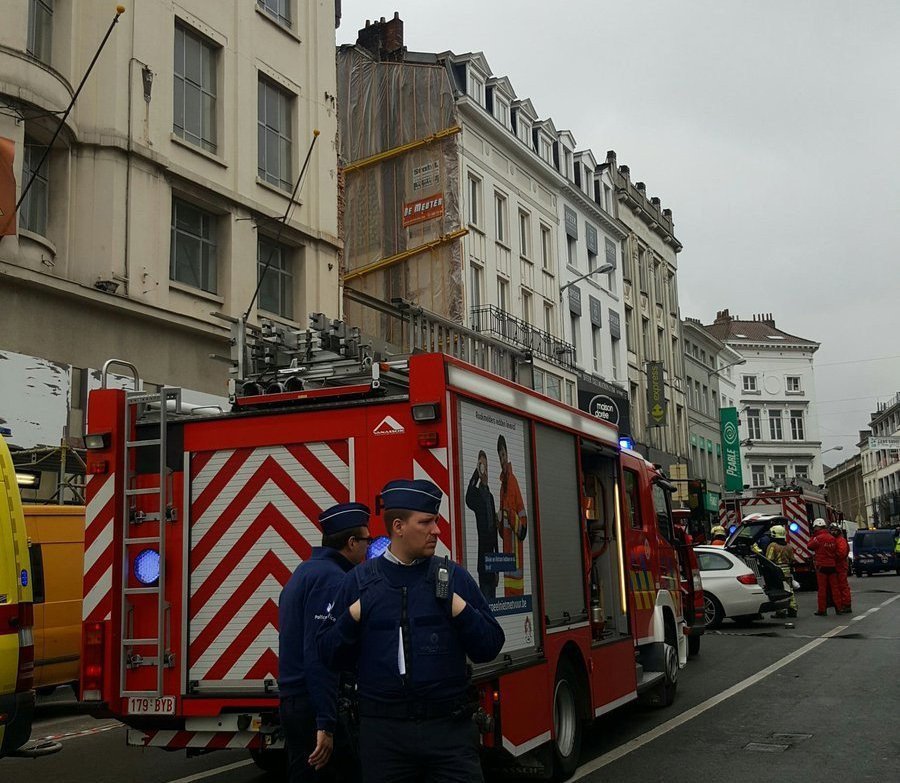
406, 621
308, 689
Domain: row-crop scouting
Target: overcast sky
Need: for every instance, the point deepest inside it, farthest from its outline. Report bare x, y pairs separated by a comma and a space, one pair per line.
771, 128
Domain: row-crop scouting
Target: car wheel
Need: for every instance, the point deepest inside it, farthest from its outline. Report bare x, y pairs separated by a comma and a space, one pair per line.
567, 725
713, 613
693, 645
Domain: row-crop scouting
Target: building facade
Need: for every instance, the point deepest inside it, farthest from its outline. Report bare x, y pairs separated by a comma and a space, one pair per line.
777, 400
160, 200
844, 483
882, 487
652, 319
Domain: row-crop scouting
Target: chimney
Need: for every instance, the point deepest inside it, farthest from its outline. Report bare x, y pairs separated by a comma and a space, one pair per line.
392, 35
611, 157
641, 187
383, 39
723, 317
668, 213
655, 201
625, 171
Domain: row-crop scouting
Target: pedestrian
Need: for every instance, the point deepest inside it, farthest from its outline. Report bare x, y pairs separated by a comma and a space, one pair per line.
718, 536
481, 501
407, 620
843, 601
308, 689
822, 545
780, 552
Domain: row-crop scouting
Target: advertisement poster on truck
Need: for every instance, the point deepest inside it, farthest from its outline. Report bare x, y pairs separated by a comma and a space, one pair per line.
499, 552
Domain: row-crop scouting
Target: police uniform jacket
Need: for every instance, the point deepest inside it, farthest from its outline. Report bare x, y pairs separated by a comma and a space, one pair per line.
305, 603
407, 647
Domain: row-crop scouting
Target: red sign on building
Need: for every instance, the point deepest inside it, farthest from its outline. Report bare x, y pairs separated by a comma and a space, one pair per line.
423, 209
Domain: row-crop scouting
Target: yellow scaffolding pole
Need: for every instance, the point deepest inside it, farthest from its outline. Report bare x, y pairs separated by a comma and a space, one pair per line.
395, 151
402, 256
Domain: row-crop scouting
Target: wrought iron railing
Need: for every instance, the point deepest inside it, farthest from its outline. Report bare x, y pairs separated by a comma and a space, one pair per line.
501, 324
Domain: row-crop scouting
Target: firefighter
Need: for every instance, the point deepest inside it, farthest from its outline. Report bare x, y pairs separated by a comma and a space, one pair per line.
308, 689
823, 546
406, 621
780, 552
513, 521
718, 535
842, 554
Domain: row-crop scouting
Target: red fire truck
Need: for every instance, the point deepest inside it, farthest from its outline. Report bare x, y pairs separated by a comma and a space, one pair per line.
196, 520
800, 503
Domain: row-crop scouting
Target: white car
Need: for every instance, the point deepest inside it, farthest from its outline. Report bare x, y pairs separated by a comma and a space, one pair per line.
731, 588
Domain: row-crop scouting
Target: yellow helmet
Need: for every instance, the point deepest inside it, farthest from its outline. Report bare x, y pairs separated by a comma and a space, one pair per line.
717, 530
778, 531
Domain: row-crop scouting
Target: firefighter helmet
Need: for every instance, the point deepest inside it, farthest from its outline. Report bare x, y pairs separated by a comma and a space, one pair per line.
777, 531
717, 530
819, 523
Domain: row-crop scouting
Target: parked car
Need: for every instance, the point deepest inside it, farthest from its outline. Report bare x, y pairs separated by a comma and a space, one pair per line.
732, 589
873, 551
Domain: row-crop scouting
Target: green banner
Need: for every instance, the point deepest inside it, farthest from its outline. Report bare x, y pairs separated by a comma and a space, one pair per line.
711, 501
731, 449
656, 395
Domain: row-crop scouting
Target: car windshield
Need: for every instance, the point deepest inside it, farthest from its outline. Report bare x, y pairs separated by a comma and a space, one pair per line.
874, 539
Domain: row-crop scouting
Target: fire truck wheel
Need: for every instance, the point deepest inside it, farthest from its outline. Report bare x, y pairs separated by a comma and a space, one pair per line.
693, 645
272, 761
713, 613
567, 725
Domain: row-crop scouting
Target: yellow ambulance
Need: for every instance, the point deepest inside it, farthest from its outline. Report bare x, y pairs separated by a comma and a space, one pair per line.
16, 614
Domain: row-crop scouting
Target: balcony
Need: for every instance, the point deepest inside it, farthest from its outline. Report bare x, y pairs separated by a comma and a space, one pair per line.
492, 320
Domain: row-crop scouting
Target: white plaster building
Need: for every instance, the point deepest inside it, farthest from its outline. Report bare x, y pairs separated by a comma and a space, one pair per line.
160, 198
777, 400
882, 480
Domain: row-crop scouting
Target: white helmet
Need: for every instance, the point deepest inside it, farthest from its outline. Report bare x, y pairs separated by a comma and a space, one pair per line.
819, 523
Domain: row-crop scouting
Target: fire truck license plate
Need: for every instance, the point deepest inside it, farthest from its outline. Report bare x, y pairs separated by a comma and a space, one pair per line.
151, 706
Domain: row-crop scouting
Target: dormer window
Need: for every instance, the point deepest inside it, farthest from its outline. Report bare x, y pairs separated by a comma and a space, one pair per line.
476, 88
501, 110
567, 163
523, 130
545, 150
585, 183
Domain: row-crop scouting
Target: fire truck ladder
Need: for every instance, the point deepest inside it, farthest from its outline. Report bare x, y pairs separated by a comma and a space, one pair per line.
167, 401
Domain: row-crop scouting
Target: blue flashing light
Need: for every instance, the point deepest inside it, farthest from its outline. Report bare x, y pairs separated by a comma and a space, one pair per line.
793, 527
146, 567
625, 442
378, 547
732, 528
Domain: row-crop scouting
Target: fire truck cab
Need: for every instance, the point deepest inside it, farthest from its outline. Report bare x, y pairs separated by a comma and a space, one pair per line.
195, 522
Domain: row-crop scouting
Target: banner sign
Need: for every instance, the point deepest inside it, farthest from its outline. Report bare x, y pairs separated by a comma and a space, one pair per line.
596, 314
423, 209
574, 299
731, 449
571, 222
656, 395
615, 328
427, 175
882, 444
590, 238
611, 252
606, 402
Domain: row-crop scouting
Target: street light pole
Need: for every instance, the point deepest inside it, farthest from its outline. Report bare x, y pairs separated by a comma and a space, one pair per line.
724, 367
600, 270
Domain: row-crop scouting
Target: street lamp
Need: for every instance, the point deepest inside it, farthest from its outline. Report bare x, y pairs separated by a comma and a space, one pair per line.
724, 367
600, 270
833, 448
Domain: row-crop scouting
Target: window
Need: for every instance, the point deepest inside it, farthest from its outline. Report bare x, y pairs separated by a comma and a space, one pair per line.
475, 278
38, 584
754, 430
524, 129
576, 326
749, 382
792, 383
607, 200
502, 112
775, 432
705, 398
592, 260
548, 318
642, 270
474, 200
538, 380
525, 234
632, 500
801, 471
614, 357
571, 251
35, 207
476, 88
797, 432
645, 333
503, 294
709, 561
629, 336
276, 293
192, 259
661, 505
194, 114
758, 475
553, 387
40, 29
779, 473
279, 10
526, 306
546, 249
274, 135
595, 346
500, 215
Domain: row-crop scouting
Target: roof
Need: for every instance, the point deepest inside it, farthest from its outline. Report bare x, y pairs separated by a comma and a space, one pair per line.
761, 329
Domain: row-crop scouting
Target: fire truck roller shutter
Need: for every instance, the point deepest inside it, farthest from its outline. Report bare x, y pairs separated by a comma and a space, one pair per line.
560, 523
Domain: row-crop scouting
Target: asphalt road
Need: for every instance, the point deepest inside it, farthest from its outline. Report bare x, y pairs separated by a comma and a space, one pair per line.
765, 703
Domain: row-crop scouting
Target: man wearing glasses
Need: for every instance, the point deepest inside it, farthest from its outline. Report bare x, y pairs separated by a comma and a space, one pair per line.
308, 689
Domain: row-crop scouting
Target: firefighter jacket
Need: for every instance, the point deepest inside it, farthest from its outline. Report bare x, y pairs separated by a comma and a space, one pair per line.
304, 605
823, 546
841, 551
782, 555
407, 647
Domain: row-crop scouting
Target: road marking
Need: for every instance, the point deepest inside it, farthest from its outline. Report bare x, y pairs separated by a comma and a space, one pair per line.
699, 709
83, 733
215, 771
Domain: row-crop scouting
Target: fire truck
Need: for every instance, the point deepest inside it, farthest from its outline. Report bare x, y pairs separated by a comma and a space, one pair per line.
196, 519
801, 503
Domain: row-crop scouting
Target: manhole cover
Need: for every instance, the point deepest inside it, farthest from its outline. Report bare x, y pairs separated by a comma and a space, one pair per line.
788, 737
766, 747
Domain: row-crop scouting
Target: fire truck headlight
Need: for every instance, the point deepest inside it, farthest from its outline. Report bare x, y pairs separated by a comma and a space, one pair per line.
377, 547
793, 527
429, 411
96, 440
146, 567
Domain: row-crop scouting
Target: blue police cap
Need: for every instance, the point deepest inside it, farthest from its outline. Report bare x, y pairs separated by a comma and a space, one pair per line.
418, 495
343, 516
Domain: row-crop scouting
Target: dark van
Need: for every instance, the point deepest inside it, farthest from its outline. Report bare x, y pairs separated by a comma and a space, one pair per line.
873, 551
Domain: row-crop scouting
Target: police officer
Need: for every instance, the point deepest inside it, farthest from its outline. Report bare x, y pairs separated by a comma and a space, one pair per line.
308, 689
408, 620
